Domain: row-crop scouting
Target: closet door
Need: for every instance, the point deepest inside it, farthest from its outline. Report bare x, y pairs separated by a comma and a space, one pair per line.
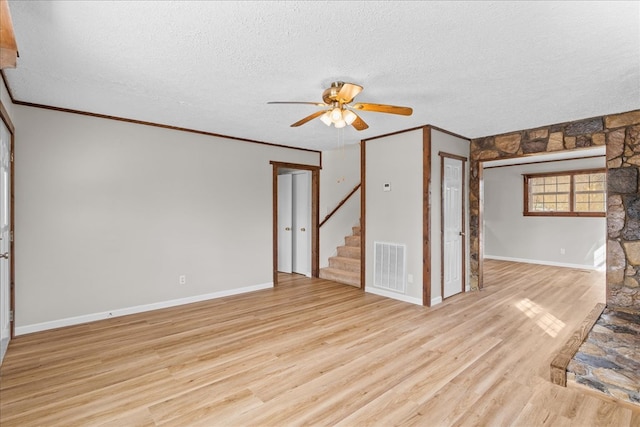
302, 223
452, 226
5, 240
285, 206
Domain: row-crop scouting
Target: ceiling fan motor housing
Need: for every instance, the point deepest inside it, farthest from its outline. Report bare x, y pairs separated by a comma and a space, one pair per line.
330, 95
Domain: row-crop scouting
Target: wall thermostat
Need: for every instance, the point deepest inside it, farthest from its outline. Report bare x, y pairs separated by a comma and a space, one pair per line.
386, 186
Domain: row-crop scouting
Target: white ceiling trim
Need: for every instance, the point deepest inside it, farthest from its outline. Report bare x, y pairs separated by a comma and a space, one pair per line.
579, 153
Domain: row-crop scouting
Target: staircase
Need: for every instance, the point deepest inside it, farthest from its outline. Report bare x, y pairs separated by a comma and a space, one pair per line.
345, 268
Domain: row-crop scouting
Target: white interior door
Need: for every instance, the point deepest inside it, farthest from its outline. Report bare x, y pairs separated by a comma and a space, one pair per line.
452, 226
5, 239
285, 220
301, 223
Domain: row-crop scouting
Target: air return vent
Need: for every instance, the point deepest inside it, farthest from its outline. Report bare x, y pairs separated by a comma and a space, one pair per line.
388, 272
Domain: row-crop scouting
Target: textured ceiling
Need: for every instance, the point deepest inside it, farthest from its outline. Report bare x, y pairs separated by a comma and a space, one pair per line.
474, 68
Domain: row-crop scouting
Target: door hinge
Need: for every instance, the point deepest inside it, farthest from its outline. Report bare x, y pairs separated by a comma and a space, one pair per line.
12, 157
11, 316
11, 235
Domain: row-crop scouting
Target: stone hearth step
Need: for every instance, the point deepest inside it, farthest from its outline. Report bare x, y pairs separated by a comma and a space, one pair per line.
609, 359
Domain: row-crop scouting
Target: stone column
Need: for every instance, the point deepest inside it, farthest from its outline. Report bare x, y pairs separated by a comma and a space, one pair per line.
623, 212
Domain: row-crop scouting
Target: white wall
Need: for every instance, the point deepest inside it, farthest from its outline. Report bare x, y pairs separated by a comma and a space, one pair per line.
6, 100
340, 173
446, 143
395, 216
508, 234
109, 214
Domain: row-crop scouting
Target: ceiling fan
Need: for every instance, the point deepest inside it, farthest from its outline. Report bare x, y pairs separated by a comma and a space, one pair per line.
337, 108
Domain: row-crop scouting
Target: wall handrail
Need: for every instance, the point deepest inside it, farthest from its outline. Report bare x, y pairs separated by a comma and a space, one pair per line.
346, 198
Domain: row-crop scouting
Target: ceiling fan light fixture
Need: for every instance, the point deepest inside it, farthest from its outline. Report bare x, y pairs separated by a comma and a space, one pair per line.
336, 114
337, 108
326, 118
348, 116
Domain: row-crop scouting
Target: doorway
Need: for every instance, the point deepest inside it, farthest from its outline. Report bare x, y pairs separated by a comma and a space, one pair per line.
294, 220
507, 232
305, 181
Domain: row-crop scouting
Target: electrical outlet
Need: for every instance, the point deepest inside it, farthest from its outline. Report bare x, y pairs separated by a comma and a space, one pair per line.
409, 278
562, 251
182, 280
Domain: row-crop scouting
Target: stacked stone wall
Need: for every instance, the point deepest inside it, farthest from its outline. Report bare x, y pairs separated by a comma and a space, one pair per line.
621, 135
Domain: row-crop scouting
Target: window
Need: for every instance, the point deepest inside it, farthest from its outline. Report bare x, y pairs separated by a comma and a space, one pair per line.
574, 193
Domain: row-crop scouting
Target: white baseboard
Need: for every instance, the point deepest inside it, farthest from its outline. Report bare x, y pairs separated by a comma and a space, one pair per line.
552, 263
393, 295
4, 344
400, 297
69, 321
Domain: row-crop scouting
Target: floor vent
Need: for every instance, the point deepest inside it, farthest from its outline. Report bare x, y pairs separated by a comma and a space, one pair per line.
389, 266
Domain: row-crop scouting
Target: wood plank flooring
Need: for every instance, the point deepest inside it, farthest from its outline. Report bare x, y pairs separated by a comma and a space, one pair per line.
313, 352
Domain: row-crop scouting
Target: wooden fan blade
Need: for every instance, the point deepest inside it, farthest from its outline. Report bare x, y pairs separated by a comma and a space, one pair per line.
359, 124
383, 108
308, 118
319, 104
348, 91
8, 46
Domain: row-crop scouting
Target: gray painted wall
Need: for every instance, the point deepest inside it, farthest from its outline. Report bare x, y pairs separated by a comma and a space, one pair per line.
395, 216
109, 214
508, 234
6, 100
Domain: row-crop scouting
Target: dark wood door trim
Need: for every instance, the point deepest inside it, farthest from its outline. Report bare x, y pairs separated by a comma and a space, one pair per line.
426, 216
12, 251
480, 222
363, 213
315, 215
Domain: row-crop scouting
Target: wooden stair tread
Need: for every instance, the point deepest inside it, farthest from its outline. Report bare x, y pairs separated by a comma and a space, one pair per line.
344, 263
563, 358
340, 276
341, 272
345, 259
345, 267
349, 251
352, 241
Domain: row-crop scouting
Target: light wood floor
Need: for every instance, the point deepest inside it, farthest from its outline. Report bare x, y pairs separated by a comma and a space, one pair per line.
312, 352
